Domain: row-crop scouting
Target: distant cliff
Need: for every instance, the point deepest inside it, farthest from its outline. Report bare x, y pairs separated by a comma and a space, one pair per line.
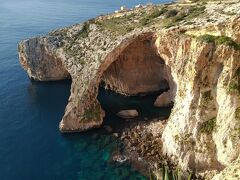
191, 49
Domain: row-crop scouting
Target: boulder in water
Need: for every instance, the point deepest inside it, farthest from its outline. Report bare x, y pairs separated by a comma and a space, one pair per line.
127, 114
164, 100
108, 128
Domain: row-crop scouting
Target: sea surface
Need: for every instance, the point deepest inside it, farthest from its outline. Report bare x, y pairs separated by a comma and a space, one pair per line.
31, 146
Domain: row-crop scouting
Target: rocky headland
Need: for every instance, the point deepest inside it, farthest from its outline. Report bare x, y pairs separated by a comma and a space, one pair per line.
191, 50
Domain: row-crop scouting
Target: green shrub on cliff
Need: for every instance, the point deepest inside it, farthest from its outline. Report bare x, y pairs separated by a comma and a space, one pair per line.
174, 16
236, 131
120, 25
82, 61
208, 126
237, 73
207, 38
219, 40
237, 113
195, 11
169, 22
234, 86
206, 98
176, 174
171, 13
235, 134
85, 30
154, 14
227, 41
92, 113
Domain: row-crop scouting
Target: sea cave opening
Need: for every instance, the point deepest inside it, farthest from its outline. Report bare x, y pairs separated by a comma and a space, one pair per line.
135, 80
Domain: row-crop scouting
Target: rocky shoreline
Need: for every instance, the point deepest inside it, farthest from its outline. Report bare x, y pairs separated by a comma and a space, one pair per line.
142, 148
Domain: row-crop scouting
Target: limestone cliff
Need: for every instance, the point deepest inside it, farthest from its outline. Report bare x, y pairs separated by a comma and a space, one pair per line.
192, 49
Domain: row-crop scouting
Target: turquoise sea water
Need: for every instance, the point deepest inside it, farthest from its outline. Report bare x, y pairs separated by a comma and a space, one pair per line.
31, 146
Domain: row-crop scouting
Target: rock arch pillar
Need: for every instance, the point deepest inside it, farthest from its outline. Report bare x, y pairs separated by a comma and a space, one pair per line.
131, 68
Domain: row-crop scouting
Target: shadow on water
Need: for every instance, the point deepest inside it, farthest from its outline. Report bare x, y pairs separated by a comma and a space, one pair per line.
113, 102
79, 155
49, 93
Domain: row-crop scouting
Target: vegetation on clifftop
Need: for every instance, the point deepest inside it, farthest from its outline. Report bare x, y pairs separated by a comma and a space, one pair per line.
118, 25
184, 13
85, 30
164, 16
219, 40
154, 14
122, 24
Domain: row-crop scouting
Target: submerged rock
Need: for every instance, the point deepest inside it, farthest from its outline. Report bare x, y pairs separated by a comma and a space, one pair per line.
118, 157
108, 128
126, 114
115, 135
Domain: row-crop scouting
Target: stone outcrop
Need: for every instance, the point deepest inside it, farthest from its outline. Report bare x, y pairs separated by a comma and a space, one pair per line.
191, 50
126, 114
38, 58
230, 172
164, 100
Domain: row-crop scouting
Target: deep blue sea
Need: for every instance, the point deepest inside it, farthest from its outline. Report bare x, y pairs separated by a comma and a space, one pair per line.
31, 146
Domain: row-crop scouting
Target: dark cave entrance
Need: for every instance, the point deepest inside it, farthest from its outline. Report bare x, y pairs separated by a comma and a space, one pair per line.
113, 102
134, 80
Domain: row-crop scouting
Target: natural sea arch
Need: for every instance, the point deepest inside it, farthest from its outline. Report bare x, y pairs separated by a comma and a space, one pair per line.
133, 67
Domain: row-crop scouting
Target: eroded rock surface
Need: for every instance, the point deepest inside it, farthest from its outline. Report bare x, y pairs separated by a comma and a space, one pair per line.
137, 70
38, 58
194, 47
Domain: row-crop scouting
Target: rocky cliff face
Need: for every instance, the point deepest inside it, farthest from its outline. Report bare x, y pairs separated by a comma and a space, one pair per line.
37, 64
203, 120
192, 49
138, 69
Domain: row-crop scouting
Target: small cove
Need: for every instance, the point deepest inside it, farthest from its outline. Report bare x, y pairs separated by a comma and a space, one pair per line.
113, 102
